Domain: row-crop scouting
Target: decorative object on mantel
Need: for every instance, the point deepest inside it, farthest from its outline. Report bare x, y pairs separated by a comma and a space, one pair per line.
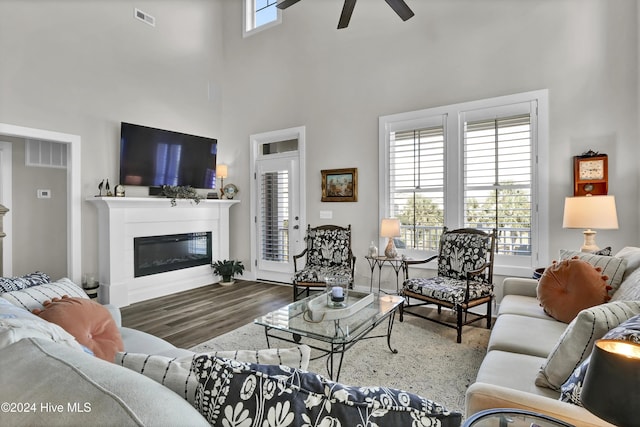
222, 171
227, 269
390, 227
590, 174
119, 191
230, 191
100, 186
590, 212
180, 192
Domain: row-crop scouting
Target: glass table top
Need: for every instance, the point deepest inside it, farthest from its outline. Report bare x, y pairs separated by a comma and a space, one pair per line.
296, 318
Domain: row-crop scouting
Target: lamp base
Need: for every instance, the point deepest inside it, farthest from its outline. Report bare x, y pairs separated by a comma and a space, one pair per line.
390, 251
589, 241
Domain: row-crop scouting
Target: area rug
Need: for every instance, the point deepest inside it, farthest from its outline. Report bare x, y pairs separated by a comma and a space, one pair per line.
428, 362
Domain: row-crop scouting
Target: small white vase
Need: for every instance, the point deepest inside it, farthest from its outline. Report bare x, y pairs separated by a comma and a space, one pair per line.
373, 250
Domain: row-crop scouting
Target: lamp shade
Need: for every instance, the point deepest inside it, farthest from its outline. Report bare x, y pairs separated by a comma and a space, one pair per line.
611, 387
390, 227
590, 212
221, 171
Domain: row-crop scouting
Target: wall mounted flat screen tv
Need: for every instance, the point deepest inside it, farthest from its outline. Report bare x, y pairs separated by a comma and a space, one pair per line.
154, 157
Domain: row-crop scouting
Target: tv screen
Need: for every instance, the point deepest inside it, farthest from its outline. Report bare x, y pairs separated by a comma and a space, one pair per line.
155, 157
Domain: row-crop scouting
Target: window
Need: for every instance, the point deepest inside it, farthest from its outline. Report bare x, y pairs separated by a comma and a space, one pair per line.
259, 15
474, 165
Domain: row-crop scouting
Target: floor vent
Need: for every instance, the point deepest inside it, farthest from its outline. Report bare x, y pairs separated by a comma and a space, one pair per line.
144, 17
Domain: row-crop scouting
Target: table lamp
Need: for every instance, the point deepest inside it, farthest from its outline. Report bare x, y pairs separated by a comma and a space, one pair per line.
589, 212
611, 387
222, 173
390, 227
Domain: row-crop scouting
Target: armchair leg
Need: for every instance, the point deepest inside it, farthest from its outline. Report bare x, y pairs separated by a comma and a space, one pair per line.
459, 320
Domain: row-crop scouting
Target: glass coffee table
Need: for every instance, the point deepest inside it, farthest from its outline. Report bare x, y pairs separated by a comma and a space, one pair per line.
505, 417
335, 336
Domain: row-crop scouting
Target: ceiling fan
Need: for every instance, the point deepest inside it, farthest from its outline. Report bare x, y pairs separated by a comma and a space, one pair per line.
399, 6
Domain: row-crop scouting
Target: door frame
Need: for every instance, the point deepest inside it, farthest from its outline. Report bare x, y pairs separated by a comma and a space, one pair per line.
256, 140
74, 195
6, 199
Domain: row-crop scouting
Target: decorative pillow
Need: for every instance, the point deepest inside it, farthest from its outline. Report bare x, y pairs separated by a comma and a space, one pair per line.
629, 290
176, 373
572, 388
33, 297
17, 323
632, 255
569, 286
328, 247
576, 342
604, 251
235, 393
612, 267
8, 284
89, 322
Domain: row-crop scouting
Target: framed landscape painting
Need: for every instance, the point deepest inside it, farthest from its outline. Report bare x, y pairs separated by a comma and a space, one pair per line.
340, 185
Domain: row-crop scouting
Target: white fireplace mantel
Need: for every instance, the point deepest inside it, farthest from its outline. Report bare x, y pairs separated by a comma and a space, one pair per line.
121, 219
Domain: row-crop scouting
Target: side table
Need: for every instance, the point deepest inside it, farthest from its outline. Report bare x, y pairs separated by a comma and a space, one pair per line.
377, 262
507, 417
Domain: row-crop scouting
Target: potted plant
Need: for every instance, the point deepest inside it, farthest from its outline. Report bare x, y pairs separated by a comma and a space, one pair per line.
180, 192
227, 269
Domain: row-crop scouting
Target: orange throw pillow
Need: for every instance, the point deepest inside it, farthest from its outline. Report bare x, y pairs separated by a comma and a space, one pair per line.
569, 286
89, 322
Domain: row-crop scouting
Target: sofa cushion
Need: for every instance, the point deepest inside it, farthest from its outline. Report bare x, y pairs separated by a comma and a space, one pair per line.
17, 323
89, 322
612, 267
572, 388
33, 297
234, 393
176, 373
92, 392
8, 284
577, 341
514, 371
525, 335
569, 286
522, 305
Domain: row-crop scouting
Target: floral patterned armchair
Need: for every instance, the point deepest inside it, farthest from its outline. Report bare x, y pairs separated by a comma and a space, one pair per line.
328, 253
464, 280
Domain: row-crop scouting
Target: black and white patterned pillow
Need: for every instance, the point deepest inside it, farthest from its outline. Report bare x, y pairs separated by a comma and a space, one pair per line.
8, 284
33, 297
235, 393
572, 388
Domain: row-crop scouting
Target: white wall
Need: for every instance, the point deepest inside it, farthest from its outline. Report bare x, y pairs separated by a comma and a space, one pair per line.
338, 82
81, 67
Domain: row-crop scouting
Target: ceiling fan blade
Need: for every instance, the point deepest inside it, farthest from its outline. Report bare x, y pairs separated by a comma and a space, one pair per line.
401, 8
286, 3
345, 16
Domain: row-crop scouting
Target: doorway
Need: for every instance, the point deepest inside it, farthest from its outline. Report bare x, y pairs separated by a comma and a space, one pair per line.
74, 260
277, 202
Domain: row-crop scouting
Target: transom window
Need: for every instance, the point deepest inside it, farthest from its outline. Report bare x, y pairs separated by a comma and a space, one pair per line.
468, 165
260, 14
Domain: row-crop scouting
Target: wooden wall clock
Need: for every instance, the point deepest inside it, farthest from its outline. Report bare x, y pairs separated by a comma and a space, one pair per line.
590, 175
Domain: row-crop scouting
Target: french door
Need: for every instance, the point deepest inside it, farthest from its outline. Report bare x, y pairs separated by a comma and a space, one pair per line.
277, 204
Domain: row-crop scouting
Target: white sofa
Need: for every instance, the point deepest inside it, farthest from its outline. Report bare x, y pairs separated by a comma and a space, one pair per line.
525, 340
46, 378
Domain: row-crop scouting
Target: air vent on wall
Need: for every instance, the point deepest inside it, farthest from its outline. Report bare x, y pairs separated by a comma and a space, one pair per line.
144, 17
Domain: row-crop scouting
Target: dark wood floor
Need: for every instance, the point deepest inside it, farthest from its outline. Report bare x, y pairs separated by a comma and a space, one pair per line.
189, 318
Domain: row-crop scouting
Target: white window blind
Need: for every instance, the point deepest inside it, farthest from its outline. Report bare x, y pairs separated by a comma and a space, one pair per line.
274, 209
416, 171
498, 180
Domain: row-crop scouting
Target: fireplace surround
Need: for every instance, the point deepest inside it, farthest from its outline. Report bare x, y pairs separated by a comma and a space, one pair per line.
121, 220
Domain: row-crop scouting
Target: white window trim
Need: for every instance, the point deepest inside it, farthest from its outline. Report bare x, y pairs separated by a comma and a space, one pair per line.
248, 19
453, 118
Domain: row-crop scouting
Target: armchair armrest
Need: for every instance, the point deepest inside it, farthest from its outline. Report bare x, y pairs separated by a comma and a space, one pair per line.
407, 262
296, 257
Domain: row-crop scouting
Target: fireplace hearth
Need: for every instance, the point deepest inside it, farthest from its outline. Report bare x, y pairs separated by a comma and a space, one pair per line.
159, 254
